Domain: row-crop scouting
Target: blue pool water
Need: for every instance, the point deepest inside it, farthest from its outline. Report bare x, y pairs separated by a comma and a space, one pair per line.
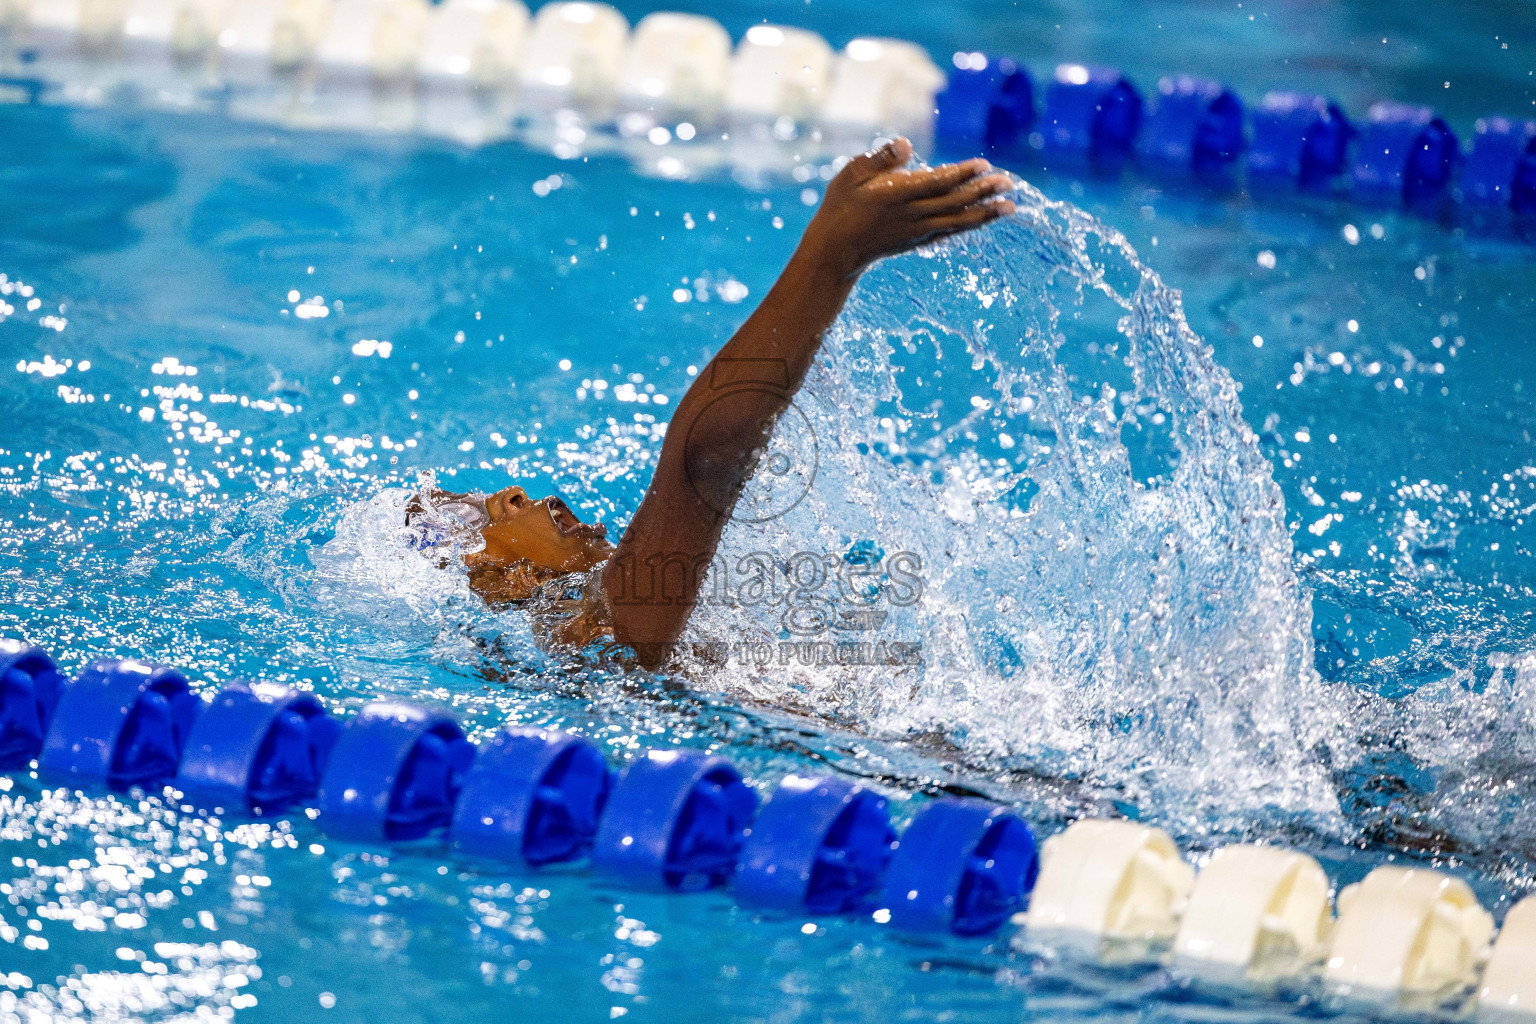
1316, 633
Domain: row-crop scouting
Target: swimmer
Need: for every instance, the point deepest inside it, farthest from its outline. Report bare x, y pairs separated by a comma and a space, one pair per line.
638, 594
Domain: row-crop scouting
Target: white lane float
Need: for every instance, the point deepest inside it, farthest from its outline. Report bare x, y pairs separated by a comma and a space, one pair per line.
60, 28
779, 72
50, 24
1108, 881
475, 43
93, 43
186, 26
467, 69
575, 53
364, 67
883, 84
1406, 932
1508, 992
373, 39
178, 28
676, 67
262, 36
1255, 913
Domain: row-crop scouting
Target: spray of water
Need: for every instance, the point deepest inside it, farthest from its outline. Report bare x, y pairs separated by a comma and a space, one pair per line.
1107, 590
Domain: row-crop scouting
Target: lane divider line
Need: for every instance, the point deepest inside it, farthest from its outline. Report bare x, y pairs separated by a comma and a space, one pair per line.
473, 69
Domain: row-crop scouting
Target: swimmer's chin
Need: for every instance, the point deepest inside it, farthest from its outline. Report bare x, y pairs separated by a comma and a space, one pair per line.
503, 586
500, 578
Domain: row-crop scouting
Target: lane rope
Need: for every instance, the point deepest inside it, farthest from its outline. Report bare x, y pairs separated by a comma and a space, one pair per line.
475, 70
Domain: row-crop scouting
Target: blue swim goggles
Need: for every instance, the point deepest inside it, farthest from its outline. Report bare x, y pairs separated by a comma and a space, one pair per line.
448, 522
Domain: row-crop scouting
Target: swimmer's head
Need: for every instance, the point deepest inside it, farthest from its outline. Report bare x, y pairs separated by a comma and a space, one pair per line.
523, 542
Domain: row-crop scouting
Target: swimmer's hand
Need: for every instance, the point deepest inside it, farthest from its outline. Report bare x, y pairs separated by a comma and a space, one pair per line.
877, 207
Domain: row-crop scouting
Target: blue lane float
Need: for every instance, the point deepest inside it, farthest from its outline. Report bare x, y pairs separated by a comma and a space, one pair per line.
1406, 154
1094, 113
1194, 125
394, 775
989, 103
122, 723
257, 748
1522, 194
675, 820
533, 796
820, 845
1500, 168
1300, 137
29, 691
961, 866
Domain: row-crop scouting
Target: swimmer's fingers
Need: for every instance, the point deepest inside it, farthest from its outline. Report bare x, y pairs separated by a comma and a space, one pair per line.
930, 182
877, 161
970, 192
968, 219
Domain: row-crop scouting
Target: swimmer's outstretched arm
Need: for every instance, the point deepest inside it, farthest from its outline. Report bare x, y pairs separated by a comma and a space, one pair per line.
873, 208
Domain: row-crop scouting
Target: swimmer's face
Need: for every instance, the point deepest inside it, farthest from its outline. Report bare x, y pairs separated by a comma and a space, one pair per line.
543, 533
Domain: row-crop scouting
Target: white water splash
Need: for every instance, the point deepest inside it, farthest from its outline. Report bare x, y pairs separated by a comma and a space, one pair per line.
1108, 591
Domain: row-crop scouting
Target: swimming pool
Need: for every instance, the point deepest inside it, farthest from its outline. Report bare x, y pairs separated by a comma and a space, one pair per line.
362, 308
